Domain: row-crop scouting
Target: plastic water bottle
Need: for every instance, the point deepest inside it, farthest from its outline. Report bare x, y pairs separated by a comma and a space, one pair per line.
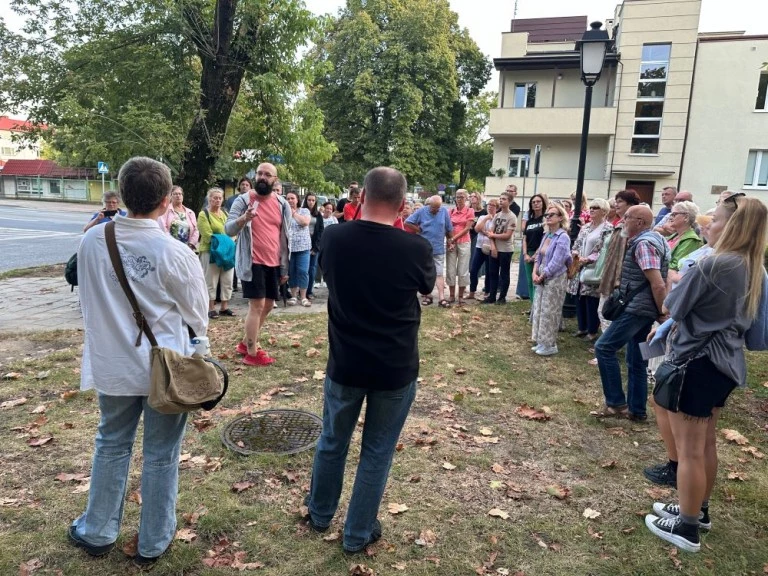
202, 345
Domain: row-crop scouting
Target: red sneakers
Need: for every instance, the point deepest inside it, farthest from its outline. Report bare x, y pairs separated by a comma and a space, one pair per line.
241, 349
261, 359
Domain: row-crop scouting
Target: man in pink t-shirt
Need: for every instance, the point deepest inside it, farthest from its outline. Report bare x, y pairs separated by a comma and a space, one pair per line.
458, 255
259, 220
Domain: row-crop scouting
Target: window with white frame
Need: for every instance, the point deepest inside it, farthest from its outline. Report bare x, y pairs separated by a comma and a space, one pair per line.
762, 91
651, 89
519, 159
23, 185
8, 151
757, 169
525, 95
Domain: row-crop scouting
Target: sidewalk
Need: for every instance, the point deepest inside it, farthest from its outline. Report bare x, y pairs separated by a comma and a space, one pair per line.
41, 304
83, 207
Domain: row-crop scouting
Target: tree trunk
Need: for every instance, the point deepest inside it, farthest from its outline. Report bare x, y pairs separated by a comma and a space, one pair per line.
222, 76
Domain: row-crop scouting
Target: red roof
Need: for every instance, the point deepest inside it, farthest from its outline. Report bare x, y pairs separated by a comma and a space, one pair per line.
16, 125
44, 168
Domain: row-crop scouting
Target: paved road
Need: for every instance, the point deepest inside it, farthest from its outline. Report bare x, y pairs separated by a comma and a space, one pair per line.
33, 234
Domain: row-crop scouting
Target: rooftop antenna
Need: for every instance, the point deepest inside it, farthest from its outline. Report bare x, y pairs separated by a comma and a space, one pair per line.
514, 16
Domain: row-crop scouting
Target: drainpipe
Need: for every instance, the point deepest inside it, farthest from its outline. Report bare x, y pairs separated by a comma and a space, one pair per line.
615, 127
688, 116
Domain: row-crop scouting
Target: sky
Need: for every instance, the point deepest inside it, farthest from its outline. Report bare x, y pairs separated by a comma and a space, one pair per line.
487, 19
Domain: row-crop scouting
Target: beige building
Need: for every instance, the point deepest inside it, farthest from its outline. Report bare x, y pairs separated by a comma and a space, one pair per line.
647, 108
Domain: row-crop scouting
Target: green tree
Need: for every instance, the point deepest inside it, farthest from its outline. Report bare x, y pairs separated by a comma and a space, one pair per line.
162, 78
393, 78
474, 150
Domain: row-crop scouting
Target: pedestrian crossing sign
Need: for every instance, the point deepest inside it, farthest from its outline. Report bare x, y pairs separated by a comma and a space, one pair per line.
103, 168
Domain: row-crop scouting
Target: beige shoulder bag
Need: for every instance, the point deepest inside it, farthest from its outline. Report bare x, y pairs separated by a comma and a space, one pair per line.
178, 383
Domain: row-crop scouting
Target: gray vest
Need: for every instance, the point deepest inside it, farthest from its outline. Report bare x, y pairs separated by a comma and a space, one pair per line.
632, 276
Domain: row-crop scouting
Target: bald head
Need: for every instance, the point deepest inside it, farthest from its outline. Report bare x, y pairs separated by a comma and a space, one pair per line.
385, 186
639, 217
435, 203
683, 195
266, 176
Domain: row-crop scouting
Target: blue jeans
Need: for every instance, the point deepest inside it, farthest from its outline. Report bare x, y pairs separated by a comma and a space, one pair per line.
499, 273
385, 414
298, 269
628, 329
100, 523
312, 272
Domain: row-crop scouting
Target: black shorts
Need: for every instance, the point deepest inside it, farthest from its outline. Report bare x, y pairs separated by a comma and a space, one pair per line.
263, 284
704, 388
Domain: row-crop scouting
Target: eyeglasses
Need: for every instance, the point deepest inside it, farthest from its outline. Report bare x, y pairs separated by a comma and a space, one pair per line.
551, 214
265, 174
673, 214
595, 208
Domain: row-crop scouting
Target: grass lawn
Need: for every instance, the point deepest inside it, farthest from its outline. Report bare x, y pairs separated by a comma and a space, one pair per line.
467, 449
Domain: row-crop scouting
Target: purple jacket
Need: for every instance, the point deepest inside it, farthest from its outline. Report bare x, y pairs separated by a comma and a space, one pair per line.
558, 256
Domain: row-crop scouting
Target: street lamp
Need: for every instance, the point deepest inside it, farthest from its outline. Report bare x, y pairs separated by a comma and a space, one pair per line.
592, 49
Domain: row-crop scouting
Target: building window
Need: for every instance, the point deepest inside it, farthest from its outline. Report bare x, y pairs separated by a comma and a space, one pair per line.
762, 89
757, 169
8, 151
23, 185
519, 159
651, 90
525, 95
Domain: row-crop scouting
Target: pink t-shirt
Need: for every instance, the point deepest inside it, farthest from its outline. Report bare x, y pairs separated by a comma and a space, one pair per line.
265, 230
460, 219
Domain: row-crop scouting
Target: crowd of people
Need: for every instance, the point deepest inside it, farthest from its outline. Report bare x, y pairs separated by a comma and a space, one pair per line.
690, 281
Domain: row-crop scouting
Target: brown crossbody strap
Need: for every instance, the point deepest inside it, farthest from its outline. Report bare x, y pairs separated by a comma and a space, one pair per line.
117, 263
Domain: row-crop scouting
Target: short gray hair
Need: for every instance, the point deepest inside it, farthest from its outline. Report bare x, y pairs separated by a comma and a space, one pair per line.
144, 183
384, 185
214, 190
690, 209
110, 195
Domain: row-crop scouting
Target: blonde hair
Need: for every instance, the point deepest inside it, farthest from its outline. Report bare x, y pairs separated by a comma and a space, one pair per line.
602, 203
212, 191
703, 219
746, 234
563, 213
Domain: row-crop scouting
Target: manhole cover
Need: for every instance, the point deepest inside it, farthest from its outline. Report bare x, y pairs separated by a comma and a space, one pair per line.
273, 431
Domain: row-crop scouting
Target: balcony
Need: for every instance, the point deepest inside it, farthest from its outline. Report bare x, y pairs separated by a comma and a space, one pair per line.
550, 121
552, 187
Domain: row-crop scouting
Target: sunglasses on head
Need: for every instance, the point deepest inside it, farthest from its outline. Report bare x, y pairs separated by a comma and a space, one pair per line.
732, 199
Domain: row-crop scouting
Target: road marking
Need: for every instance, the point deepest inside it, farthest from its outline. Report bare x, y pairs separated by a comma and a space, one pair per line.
10, 234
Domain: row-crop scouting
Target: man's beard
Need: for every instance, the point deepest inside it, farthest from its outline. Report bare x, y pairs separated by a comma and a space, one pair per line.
263, 188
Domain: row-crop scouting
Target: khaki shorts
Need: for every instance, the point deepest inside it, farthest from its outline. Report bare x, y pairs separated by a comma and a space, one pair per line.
439, 260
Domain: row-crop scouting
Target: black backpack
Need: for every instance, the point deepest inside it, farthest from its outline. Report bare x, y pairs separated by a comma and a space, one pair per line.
70, 272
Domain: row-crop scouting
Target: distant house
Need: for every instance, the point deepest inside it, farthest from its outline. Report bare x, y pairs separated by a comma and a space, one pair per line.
11, 150
46, 180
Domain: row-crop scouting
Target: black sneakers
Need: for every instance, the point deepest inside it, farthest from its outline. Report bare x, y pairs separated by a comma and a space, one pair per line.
663, 474
673, 511
89, 548
684, 536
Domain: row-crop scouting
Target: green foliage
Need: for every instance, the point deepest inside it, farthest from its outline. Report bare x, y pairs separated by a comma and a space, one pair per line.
392, 79
474, 149
184, 81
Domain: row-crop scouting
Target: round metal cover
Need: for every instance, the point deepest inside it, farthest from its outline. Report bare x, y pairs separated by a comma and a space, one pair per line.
273, 432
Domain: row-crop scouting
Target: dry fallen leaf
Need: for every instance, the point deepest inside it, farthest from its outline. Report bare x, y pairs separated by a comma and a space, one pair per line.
672, 553
739, 476
734, 436
318, 375
63, 477
30, 566
499, 469
590, 514
486, 439
495, 391
12, 376
559, 492
530, 413
495, 512
84, 487
131, 546
312, 353
238, 487
426, 538
399, 566
69, 394
12, 403
332, 537
486, 431
361, 570
608, 464
39, 410
754, 452
186, 535
394, 508
135, 496
39, 441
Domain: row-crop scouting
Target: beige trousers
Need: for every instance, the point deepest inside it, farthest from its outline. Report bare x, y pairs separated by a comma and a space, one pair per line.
215, 275
457, 265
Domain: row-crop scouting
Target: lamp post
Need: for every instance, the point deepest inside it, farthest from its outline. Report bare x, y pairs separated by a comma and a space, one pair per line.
592, 48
